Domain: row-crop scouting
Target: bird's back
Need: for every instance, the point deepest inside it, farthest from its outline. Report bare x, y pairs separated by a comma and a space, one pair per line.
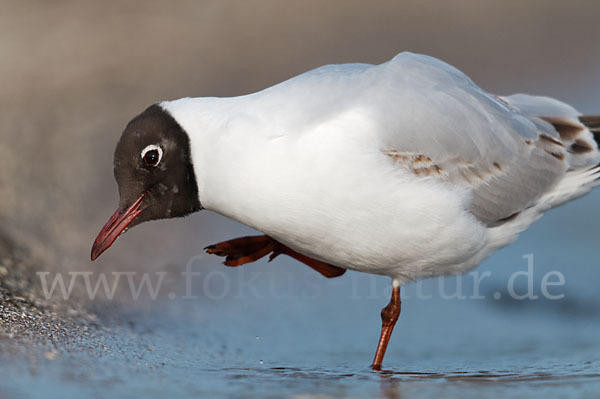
430, 117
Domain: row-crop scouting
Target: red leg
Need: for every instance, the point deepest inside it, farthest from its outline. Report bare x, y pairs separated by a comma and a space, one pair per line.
244, 250
389, 316
325, 269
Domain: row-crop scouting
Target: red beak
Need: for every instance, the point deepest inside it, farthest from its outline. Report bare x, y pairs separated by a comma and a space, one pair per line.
115, 226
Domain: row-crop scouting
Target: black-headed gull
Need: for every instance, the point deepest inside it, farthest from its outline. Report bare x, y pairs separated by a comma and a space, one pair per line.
406, 169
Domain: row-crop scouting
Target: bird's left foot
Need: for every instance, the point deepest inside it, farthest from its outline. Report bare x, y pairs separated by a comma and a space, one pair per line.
240, 251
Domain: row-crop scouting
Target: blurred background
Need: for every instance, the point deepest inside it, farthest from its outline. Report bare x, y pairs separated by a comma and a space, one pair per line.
73, 73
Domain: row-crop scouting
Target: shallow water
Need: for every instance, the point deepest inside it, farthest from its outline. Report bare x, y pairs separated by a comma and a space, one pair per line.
254, 353
280, 330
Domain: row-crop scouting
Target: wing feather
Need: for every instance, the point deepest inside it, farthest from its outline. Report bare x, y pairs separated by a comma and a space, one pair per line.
419, 107
477, 140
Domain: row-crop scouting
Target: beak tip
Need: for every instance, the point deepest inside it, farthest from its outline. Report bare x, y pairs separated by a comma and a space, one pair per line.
95, 253
115, 226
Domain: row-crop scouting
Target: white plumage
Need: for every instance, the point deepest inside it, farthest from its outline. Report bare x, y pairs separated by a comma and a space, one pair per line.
406, 169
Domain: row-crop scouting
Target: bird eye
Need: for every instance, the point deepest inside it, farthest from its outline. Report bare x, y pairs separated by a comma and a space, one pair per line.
152, 155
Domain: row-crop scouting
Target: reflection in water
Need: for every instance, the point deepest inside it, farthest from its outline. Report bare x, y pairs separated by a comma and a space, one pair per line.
394, 385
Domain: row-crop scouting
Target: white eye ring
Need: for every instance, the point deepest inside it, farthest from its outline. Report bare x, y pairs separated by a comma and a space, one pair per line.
150, 148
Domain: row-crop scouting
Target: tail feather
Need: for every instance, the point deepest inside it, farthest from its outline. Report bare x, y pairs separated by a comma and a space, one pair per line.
581, 137
577, 181
579, 134
592, 122
574, 185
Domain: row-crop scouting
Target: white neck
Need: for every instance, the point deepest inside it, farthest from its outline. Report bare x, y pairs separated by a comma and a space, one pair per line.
232, 154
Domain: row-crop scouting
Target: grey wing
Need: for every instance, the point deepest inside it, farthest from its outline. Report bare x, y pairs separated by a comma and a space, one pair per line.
439, 123
433, 120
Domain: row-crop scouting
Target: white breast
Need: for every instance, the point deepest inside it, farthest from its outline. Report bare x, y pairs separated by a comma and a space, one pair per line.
336, 197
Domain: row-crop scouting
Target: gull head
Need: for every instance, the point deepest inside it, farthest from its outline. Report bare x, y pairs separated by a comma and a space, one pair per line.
153, 169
